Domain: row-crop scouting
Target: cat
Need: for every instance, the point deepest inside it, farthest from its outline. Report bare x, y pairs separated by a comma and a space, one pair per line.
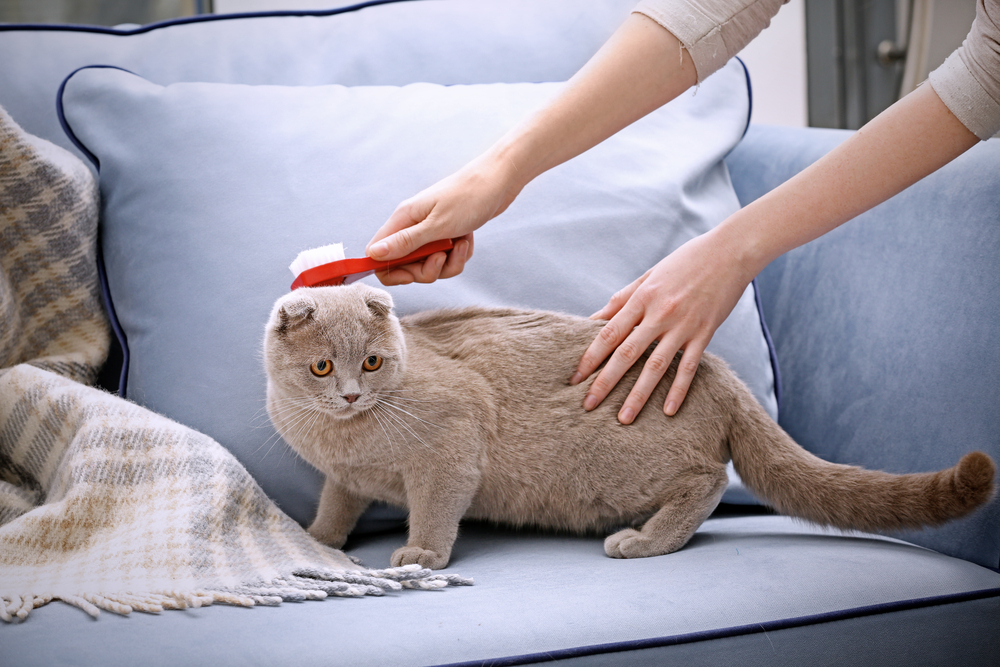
469, 413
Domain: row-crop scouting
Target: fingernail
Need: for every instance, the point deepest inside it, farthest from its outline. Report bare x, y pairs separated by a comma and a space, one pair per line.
576, 379
378, 249
671, 409
589, 403
626, 416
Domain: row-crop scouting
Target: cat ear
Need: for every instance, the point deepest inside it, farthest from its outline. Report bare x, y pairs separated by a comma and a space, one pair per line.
379, 302
294, 310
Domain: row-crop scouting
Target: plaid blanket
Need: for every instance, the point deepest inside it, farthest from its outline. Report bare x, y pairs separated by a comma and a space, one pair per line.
104, 504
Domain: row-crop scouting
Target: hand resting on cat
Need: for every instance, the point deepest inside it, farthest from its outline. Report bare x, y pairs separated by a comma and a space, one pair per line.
467, 413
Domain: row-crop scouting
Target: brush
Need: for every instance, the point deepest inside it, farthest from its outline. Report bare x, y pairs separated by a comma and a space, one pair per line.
326, 265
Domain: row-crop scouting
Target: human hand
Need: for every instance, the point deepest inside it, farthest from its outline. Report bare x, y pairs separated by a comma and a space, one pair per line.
680, 303
452, 208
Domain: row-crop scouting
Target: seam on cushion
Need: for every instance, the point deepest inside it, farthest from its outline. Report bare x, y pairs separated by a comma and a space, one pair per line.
201, 18
772, 353
116, 327
102, 275
746, 73
736, 631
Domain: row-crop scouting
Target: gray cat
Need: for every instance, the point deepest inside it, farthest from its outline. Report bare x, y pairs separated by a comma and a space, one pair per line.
468, 413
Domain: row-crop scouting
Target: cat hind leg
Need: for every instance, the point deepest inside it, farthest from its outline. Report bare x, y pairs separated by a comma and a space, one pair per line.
687, 504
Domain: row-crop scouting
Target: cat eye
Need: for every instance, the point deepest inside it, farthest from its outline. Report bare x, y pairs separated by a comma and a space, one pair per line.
321, 368
372, 363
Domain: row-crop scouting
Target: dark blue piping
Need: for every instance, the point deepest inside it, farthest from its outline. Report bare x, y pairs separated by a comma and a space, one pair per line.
724, 633
771, 351
201, 18
746, 73
102, 274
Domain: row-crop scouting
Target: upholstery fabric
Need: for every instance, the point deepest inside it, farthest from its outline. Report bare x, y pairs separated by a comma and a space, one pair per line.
776, 588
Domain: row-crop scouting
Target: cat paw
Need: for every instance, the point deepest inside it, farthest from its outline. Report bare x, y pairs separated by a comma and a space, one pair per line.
422, 557
327, 536
630, 543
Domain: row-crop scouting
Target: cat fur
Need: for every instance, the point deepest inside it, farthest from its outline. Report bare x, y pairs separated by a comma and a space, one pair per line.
471, 415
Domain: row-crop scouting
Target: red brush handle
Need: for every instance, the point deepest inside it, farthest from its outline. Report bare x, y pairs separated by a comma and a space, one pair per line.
356, 268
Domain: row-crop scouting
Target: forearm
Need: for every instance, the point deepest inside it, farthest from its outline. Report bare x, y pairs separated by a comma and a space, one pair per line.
908, 141
639, 69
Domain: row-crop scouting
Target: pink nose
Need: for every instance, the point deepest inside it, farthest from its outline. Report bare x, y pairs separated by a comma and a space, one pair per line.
350, 398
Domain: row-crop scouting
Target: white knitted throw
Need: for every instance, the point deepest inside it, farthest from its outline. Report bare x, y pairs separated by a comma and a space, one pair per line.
104, 504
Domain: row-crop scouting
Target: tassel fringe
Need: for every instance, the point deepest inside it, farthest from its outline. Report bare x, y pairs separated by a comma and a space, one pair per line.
299, 586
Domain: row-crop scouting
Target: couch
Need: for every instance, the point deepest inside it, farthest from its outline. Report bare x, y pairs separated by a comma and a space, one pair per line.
875, 345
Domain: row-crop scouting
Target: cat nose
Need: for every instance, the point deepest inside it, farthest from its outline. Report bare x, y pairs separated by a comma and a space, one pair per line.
350, 398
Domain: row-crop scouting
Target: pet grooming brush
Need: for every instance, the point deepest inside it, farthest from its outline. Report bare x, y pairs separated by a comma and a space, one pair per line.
324, 266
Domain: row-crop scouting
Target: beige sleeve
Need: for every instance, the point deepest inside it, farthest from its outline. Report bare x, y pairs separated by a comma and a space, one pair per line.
969, 80
712, 31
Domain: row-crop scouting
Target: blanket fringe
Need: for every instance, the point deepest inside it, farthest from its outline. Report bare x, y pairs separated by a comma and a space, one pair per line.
299, 586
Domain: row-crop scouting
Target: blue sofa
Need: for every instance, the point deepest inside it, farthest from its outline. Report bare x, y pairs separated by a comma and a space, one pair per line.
885, 336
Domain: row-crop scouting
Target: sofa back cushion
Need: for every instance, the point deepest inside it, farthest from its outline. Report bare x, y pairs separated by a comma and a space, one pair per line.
486, 41
887, 329
210, 190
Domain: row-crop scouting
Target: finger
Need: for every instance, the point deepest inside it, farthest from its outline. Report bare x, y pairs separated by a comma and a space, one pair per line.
397, 245
607, 340
624, 357
653, 371
457, 258
401, 234
619, 299
425, 271
395, 277
686, 370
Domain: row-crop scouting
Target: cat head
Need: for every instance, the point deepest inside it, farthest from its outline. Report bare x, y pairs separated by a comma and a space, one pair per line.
338, 347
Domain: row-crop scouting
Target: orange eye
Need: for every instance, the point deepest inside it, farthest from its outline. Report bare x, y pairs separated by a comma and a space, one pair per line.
372, 363
322, 368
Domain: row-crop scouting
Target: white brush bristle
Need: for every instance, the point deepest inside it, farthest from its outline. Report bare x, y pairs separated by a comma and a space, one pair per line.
308, 259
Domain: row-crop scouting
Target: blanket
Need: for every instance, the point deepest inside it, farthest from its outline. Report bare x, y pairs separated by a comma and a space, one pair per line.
104, 504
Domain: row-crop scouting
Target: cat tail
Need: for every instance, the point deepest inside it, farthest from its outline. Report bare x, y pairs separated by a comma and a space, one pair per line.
797, 483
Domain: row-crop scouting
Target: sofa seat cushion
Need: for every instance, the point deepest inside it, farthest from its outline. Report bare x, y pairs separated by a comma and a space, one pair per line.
744, 585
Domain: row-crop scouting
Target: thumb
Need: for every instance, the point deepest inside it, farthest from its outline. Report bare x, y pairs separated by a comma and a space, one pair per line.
402, 233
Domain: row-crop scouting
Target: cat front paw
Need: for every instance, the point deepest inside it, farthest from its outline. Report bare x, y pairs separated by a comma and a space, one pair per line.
324, 534
630, 543
416, 555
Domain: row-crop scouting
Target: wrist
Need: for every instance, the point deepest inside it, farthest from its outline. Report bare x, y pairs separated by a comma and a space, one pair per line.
517, 158
745, 243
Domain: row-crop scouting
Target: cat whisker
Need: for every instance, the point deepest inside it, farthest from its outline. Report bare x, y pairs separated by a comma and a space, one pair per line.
396, 407
302, 416
375, 414
289, 407
396, 419
397, 397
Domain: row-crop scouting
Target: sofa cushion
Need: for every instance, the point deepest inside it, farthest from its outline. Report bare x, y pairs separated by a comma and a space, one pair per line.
767, 587
887, 329
209, 190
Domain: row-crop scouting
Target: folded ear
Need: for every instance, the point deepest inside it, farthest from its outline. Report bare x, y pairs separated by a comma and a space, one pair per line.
292, 311
379, 302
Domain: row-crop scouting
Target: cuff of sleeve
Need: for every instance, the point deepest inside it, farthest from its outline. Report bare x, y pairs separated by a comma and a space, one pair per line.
965, 96
696, 32
712, 39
